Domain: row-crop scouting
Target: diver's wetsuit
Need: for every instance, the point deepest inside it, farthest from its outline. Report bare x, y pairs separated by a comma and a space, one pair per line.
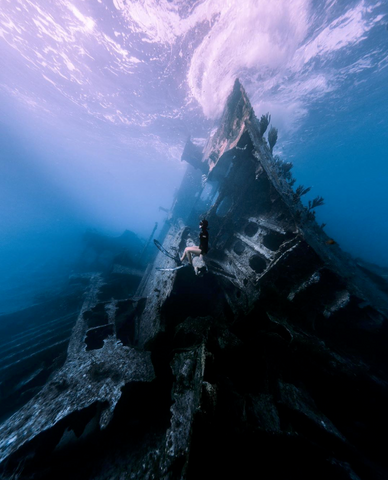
204, 241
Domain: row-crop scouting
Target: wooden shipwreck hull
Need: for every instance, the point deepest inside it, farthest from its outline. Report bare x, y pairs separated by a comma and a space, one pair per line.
272, 364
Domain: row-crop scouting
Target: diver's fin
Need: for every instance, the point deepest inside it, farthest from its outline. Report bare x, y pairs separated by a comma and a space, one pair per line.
168, 254
172, 268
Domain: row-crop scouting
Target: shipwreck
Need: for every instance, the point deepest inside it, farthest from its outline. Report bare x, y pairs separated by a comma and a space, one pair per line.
272, 364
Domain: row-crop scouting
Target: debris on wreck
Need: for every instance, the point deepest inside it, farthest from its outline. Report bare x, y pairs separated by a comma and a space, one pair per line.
272, 137
263, 124
275, 361
300, 191
317, 202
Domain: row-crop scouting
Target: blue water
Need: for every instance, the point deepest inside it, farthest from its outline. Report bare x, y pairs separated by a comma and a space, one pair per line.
98, 98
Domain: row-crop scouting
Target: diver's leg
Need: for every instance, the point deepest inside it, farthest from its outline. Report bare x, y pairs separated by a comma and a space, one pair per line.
189, 252
185, 254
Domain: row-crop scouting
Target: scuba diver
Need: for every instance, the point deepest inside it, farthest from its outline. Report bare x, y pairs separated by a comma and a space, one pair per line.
203, 244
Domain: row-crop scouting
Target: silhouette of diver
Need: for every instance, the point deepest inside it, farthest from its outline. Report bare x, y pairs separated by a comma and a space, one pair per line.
203, 247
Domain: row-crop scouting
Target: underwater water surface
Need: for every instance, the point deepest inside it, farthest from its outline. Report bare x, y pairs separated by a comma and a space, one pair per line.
98, 99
